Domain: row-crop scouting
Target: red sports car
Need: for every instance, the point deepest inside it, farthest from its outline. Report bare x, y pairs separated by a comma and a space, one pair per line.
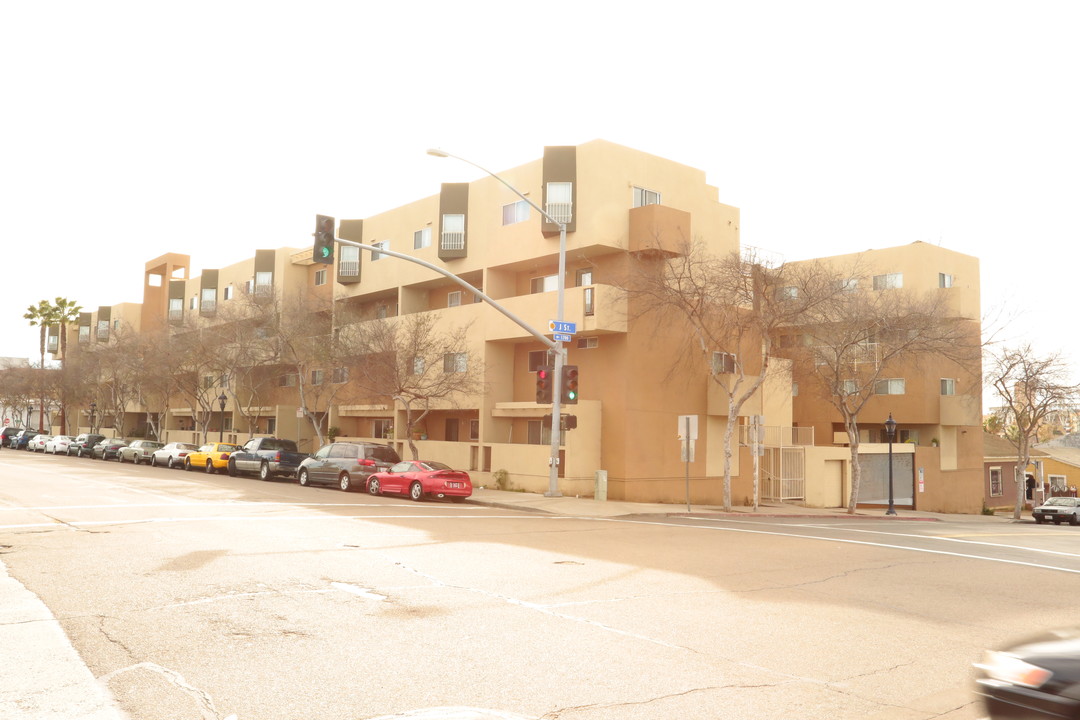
419, 478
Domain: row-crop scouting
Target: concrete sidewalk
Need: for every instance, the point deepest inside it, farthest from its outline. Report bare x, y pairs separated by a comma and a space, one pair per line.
587, 507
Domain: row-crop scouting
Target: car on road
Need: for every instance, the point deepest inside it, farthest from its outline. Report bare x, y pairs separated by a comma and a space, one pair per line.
422, 478
37, 443
108, 449
58, 444
20, 440
83, 445
7, 433
139, 451
346, 464
1058, 510
268, 457
172, 455
1037, 677
212, 457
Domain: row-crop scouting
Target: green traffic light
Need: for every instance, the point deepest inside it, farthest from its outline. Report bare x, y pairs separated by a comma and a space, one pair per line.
324, 252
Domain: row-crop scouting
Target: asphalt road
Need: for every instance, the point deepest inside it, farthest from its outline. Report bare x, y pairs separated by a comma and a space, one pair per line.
207, 597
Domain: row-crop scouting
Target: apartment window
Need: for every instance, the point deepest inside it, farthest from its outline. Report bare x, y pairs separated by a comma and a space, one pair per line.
339, 375
545, 284
849, 285
588, 343
996, 487
208, 381
247, 287
264, 282
723, 363
54, 344
349, 262
176, 308
909, 436
316, 377
271, 426
794, 389
382, 245
453, 232
889, 386
228, 292
787, 293
474, 429
537, 358
643, 197
382, 428
421, 238
560, 201
536, 433
588, 303
116, 325
948, 386
320, 277
584, 277
84, 333
888, 281
453, 299
1057, 482
515, 212
848, 387
209, 300
418, 365
287, 380
944, 280
191, 303
103, 330
455, 362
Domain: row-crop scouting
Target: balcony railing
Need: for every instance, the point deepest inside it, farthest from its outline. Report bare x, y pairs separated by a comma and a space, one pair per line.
451, 240
348, 268
560, 211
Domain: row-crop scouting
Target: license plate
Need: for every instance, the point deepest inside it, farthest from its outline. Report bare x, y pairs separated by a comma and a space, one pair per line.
454, 484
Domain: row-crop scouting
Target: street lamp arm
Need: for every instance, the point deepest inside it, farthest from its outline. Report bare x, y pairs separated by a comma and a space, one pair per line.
442, 153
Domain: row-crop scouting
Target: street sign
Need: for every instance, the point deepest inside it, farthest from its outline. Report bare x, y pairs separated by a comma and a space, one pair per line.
556, 326
558, 337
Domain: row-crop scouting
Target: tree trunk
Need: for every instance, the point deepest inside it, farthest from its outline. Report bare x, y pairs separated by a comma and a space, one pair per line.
851, 425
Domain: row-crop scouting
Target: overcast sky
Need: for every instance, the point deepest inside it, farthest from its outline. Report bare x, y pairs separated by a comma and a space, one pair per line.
132, 129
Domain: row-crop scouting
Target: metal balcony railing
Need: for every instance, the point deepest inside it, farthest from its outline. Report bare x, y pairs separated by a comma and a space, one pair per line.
452, 240
348, 268
561, 211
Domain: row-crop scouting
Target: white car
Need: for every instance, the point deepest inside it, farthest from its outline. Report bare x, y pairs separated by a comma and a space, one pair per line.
37, 443
58, 444
172, 455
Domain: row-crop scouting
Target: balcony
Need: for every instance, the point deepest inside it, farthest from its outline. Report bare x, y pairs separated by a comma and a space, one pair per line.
452, 240
561, 211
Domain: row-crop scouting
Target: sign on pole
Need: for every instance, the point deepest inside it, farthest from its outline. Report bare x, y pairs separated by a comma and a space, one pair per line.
557, 326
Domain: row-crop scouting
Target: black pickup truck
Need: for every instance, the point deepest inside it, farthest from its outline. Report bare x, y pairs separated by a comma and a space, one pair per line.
269, 457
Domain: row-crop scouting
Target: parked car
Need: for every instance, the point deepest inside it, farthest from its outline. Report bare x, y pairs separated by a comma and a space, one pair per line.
37, 443
139, 451
267, 456
20, 440
58, 444
1037, 677
211, 457
1058, 510
83, 445
346, 464
108, 449
172, 454
6, 434
422, 478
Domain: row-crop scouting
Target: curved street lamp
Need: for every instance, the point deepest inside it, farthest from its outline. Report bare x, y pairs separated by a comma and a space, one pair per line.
890, 431
93, 409
222, 399
560, 351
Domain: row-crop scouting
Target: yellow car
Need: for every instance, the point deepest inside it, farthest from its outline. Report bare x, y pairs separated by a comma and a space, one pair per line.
211, 456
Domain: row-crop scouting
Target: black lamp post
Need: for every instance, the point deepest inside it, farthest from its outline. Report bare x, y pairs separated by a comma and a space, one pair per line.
29, 415
890, 430
93, 409
221, 403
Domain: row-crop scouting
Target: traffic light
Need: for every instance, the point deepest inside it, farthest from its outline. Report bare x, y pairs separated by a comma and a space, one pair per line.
569, 422
543, 384
323, 251
569, 385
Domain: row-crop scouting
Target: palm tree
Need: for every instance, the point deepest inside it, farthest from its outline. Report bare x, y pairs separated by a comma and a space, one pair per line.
42, 315
64, 311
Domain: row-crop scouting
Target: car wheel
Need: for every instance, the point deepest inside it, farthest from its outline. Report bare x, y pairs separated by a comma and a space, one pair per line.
344, 481
119, 457
1057, 521
187, 464
303, 477
170, 464
416, 492
1038, 520
135, 459
373, 486
232, 468
1074, 520
153, 461
209, 467
79, 453
264, 471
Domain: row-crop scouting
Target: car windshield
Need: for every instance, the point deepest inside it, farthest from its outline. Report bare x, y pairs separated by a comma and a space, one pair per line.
1066, 501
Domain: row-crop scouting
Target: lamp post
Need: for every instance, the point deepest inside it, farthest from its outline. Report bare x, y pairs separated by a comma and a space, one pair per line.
221, 404
93, 409
29, 415
559, 350
890, 431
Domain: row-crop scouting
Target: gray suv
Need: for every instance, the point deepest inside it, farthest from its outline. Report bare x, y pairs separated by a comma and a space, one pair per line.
346, 464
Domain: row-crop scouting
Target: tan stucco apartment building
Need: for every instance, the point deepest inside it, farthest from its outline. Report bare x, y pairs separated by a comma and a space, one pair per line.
618, 202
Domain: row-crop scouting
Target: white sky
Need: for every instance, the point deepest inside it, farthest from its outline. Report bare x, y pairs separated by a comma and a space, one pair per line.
131, 129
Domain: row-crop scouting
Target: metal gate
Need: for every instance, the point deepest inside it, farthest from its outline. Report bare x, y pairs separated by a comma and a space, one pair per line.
783, 473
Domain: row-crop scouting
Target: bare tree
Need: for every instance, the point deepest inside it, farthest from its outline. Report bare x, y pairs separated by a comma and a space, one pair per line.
415, 363
862, 335
734, 306
247, 330
1031, 387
